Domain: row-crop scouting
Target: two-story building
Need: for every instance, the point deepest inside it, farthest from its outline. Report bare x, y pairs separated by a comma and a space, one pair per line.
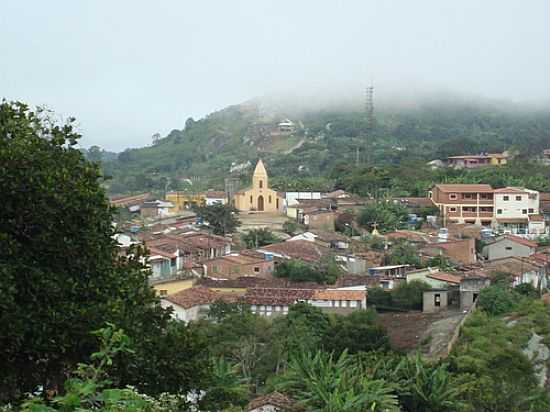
464, 203
517, 211
479, 160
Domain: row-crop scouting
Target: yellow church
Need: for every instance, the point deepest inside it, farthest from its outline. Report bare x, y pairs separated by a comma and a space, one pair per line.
259, 197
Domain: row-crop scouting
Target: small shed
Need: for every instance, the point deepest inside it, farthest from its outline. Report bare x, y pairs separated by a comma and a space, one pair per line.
434, 300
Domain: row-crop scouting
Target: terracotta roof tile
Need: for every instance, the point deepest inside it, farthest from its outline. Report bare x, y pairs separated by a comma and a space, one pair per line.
445, 277
274, 398
459, 187
276, 296
521, 241
297, 249
188, 298
510, 189
334, 294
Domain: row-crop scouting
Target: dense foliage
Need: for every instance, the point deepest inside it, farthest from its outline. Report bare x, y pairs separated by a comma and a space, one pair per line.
384, 216
221, 218
255, 238
296, 270
61, 274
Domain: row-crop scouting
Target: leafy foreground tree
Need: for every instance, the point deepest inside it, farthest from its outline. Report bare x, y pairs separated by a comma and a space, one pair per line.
323, 382
226, 389
221, 218
89, 389
61, 276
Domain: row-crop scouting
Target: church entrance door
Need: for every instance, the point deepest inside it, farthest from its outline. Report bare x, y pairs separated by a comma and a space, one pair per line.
261, 203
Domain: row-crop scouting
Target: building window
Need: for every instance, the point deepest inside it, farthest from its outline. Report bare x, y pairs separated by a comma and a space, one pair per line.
163, 292
505, 198
215, 269
518, 198
531, 210
453, 196
437, 299
452, 209
251, 201
524, 211
269, 199
256, 269
499, 211
468, 196
353, 303
508, 247
261, 184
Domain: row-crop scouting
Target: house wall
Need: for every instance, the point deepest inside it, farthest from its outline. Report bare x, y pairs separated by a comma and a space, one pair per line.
323, 221
169, 288
185, 315
506, 248
516, 204
225, 268
537, 228
463, 251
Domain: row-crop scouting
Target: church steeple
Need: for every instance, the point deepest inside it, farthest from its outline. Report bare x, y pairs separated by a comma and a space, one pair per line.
259, 178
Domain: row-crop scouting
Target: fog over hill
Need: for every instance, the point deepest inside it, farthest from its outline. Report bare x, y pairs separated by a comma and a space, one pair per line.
129, 69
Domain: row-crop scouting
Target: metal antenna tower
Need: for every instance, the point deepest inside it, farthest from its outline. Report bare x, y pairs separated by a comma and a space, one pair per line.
369, 112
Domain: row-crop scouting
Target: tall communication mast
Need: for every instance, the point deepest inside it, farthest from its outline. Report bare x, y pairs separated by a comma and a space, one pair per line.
369, 113
369, 106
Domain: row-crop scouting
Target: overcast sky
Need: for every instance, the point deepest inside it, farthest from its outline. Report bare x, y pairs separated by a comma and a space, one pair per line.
128, 69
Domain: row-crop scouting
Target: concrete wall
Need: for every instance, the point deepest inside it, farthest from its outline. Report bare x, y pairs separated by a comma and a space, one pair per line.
428, 301
506, 248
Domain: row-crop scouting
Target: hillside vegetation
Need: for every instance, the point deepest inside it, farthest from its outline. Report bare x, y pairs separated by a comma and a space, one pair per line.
326, 143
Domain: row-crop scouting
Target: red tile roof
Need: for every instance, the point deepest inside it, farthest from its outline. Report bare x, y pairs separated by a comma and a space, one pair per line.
510, 190
445, 277
521, 241
213, 194
459, 187
200, 295
334, 294
297, 249
274, 399
286, 296
276, 296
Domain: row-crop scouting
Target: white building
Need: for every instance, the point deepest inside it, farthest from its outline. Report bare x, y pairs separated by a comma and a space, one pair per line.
517, 211
194, 303
212, 197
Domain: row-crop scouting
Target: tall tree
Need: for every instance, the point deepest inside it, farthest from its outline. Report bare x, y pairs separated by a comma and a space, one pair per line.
61, 274
221, 218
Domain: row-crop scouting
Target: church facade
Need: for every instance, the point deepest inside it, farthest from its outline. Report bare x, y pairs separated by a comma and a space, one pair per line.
259, 197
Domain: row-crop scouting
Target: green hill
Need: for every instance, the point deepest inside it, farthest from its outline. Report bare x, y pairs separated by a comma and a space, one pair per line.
206, 149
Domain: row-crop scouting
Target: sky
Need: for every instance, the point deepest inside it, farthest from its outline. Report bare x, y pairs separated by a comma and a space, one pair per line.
129, 69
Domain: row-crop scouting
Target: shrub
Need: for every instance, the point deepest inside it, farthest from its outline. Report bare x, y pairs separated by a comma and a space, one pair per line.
497, 300
409, 295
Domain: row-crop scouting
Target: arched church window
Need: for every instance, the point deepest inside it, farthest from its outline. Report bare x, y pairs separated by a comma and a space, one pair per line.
269, 198
251, 201
261, 184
